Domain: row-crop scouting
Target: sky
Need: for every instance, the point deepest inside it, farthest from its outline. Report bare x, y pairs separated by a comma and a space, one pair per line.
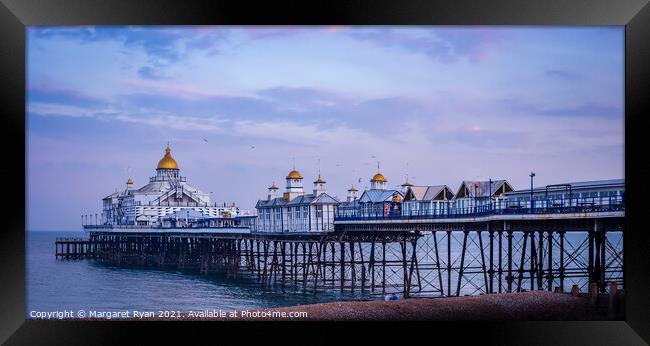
240, 105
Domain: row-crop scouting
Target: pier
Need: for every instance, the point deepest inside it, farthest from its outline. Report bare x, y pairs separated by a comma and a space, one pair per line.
74, 248
488, 251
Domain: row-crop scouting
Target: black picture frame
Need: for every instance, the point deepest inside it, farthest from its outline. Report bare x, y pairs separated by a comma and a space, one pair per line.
15, 15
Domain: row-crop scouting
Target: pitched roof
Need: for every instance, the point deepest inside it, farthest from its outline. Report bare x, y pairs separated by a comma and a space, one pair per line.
324, 198
417, 192
481, 188
112, 195
302, 199
427, 193
376, 196
272, 203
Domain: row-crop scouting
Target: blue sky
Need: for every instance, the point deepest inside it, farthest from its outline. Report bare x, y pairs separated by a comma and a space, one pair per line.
441, 104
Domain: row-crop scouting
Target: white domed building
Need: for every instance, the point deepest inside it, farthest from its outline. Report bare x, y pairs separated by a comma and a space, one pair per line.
380, 201
166, 193
296, 211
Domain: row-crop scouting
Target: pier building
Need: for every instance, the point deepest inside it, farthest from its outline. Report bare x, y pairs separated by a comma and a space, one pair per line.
167, 192
379, 200
351, 204
295, 211
576, 194
474, 194
435, 199
568, 237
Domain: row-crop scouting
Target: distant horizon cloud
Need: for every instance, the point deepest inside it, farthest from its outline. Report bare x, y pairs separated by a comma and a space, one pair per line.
562, 74
239, 104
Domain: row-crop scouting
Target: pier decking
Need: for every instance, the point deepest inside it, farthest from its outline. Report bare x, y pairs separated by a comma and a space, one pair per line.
482, 253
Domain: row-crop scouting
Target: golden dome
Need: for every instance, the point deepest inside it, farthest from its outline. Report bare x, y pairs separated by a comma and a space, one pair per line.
167, 162
294, 175
129, 181
407, 183
379, 178
353, 189
319, 180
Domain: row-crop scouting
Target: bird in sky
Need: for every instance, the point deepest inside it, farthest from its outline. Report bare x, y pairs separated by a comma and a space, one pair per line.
205, 140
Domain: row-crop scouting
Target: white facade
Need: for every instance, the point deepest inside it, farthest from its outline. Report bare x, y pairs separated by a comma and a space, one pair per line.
166, 193
474, 194
427, 200
296, 211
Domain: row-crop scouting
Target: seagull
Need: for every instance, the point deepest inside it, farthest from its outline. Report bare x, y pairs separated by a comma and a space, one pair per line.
205, 140
252, 147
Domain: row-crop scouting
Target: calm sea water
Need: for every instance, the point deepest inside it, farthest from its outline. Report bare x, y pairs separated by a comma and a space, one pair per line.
55, 285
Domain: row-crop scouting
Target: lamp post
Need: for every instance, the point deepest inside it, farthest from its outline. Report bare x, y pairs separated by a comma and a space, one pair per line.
490, 197
475, 198
532, 175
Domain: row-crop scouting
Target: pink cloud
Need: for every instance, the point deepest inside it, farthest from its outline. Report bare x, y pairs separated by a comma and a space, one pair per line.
334, 28
169, 88
270, 31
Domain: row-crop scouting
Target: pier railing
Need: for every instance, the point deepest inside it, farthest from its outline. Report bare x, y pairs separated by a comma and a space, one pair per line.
555, 206
158, 227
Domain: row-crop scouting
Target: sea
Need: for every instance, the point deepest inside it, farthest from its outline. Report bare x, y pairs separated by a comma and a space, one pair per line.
57, 285
84, 285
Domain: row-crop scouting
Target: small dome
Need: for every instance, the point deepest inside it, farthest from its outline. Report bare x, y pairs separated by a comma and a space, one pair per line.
167, 162
353, 189
319, 180
294, 175
378, 178
273, 187
129, 181
407, 183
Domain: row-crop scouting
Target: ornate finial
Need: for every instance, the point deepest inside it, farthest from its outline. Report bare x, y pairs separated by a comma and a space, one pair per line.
167, 161
407, 182
319, 180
